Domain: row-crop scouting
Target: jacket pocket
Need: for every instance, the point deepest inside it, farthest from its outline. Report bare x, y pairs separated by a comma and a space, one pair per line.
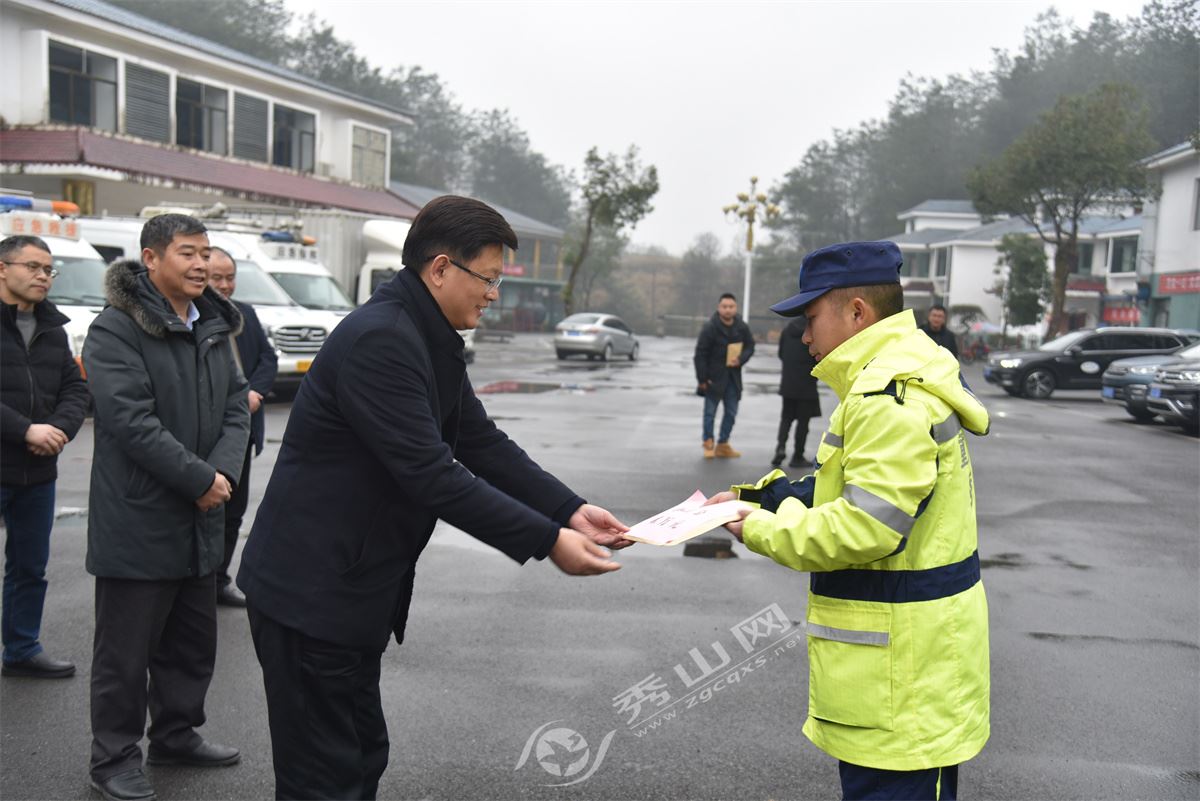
850, 665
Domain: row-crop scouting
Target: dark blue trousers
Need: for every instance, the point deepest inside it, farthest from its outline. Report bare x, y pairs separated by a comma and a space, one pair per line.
28, 517
875, 784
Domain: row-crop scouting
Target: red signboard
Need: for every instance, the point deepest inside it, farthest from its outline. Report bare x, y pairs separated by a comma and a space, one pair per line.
1178, 283
513, 269
1122, 314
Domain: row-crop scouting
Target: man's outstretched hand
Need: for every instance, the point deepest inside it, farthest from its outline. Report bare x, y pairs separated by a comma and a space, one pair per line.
601, 526
576, 555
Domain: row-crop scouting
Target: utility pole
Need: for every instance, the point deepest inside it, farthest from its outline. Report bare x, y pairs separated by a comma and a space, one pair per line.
749, 207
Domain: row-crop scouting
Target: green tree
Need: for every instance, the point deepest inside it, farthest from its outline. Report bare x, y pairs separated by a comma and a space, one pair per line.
1023, 281
1079, 158
616, 194
506, 170
257, 27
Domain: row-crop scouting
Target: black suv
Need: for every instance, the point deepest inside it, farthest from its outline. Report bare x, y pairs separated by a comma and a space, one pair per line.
1076, 360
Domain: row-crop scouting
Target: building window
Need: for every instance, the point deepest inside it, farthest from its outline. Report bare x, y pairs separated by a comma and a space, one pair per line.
1124, 255
83, 87
943, 262
201, 116
915, 265
147, 103
1083, 260
295, 139
249, 127
369, 158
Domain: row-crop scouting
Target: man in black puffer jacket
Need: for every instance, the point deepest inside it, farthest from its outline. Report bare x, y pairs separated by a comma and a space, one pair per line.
724, 345
172, 422
43, 400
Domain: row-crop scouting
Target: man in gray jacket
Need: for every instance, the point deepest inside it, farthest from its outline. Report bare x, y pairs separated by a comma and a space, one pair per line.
171, 427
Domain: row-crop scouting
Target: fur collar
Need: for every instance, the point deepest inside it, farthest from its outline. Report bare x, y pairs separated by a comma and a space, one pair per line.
129, 289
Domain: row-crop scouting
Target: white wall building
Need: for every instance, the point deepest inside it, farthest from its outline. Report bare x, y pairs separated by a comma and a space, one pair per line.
1168, 269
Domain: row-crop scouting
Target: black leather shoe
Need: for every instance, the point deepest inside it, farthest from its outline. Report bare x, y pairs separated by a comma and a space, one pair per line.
40, 666
777, 459
205, 755
229, 595
799, 461
132, 785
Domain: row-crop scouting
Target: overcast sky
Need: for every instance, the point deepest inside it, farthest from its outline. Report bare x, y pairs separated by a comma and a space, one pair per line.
712, 93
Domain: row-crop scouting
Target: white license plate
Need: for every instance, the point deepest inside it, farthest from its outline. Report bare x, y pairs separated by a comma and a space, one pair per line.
1155, 392
1108, 392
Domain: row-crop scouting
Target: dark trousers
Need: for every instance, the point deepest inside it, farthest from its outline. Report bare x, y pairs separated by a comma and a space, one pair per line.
328, 734
168, 631
875, 784
793, 410
28, 517
235, 510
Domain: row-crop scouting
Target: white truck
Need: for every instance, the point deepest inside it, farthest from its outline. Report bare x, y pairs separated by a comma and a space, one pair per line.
384, 243
295, 332
78, 289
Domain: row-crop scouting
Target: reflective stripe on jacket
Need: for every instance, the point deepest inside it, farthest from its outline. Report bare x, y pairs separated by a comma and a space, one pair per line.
897, 618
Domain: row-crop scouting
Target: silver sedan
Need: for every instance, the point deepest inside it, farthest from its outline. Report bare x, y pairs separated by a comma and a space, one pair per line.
596, 335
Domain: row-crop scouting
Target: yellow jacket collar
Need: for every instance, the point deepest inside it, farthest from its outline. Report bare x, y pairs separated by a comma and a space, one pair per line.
843, 368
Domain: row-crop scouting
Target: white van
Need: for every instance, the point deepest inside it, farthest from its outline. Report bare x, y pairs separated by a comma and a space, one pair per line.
295, 332
78, 289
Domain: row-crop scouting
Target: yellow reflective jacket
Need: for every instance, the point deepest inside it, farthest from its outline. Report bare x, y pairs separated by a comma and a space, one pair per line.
897, 618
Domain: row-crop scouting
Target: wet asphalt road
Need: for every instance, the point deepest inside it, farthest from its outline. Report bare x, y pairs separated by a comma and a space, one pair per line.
1089, 532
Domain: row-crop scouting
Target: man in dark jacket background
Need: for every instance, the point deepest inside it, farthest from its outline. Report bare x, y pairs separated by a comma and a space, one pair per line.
259, 364
799, 390
385, 437
171, 426
935, 328
43, 400
719, 372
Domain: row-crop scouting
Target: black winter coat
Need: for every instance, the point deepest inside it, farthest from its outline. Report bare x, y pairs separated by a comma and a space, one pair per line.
945, 337
171, 411
386, 436
796, 380
259, 364
39, 383
710, 354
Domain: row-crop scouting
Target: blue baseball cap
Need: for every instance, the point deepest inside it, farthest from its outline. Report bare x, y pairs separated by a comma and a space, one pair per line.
836, 266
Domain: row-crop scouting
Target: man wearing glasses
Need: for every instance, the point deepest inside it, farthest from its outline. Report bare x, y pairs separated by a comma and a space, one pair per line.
43, 399
385, 437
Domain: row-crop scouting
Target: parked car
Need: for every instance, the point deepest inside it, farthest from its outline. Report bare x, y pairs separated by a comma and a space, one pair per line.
1126, 382
1076, 360
1175, 395
598, 336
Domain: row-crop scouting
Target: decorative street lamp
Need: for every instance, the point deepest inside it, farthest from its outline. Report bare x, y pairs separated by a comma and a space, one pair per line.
749, 207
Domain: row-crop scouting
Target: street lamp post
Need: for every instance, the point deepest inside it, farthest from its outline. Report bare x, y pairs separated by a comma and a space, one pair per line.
749, 207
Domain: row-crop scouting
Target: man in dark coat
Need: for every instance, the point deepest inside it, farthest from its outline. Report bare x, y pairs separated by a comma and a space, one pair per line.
386, 436
724, 345
42, 403
799, 391
171, 425
935, 328
259, 364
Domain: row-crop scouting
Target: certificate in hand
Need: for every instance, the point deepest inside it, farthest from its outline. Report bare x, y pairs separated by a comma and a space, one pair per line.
686, 520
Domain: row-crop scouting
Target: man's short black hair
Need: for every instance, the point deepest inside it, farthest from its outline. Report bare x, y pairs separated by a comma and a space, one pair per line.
12, 244
937, 307
458, 226
885, 299
226, 253
159, 232
729, 295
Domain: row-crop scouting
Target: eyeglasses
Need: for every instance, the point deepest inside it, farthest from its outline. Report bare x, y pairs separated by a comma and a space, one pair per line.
492, 283
36, 266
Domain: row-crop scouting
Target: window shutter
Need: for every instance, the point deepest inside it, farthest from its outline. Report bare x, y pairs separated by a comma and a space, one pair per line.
249, 127
147, 103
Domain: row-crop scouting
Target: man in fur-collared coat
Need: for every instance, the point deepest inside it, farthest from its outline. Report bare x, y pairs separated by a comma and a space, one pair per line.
171, 427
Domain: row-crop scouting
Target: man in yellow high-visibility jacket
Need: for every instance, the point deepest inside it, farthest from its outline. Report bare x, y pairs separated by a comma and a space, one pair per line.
897, 618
